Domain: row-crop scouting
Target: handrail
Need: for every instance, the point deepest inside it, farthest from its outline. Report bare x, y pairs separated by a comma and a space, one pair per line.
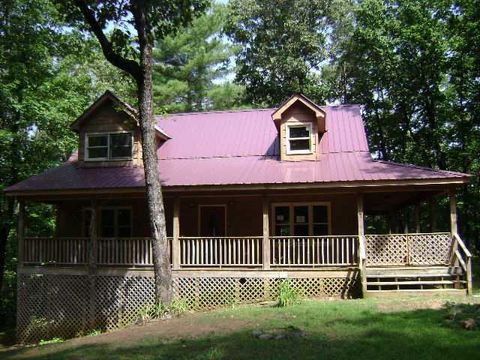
466, 264
462, 245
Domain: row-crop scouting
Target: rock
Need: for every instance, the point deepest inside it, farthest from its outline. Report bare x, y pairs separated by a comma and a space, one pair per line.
257, 333
265, 336
469, 324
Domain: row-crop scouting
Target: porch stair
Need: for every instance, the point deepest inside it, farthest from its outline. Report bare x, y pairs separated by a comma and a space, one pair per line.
421, 279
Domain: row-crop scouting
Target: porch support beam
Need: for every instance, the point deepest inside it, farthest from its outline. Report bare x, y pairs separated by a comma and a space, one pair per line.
417, 218
20, 231
361, 240
176, 235
92, 265
453, 212
433, 215
266, 235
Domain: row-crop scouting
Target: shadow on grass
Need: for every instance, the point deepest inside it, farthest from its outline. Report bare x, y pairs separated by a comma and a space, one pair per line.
419, 334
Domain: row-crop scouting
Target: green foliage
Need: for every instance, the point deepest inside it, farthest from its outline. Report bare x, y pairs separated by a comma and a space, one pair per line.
465, 316
161, 311
191, 67
412, 66
95, 332
287, 294
54, 340
283, 45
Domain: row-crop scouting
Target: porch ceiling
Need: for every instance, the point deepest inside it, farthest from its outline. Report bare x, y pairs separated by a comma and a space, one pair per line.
383, 202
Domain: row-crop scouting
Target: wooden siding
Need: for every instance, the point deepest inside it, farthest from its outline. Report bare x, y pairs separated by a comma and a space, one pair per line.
244, 213
107, 119
298, 114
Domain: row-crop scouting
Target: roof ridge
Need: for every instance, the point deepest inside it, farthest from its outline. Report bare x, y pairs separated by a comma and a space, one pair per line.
213, 112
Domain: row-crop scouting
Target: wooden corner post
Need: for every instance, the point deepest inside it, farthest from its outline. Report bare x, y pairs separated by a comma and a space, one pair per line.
176, 235
20, 231
266, 235
92, 265
361, 241
453, 213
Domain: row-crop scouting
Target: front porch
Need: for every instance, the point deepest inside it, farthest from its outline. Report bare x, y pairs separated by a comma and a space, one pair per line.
108, 279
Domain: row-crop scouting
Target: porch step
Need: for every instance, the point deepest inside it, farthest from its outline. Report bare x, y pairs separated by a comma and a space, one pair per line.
420, 271
432, 292
419, 278
420, 282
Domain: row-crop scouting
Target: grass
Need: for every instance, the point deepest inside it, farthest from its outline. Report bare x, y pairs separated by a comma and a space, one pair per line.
400, 328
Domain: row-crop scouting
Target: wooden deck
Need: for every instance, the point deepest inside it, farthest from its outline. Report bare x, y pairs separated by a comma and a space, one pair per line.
391, 257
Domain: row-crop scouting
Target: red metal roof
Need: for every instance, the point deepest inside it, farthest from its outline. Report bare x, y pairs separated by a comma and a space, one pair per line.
241, 148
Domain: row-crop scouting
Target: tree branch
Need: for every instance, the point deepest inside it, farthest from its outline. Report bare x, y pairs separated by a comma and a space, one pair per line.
129, 66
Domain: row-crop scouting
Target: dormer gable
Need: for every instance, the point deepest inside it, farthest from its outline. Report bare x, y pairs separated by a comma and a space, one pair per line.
109, 133
301, 124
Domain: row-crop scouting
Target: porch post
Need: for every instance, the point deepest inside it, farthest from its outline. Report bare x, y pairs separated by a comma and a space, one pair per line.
92, 265
20, 231
361, 240
453, 213
433, 215
176, 235
417, 218
266, 236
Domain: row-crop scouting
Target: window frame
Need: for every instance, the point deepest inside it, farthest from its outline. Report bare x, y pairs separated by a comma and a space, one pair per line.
309, 138
310, 222
108, 135
115, 220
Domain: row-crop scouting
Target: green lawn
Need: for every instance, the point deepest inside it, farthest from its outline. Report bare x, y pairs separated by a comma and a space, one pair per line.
400, 328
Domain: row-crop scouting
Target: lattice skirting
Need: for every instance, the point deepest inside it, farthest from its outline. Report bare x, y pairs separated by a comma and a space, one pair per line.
60, 305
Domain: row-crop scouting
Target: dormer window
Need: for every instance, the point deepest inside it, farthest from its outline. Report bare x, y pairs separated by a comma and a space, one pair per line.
299, 138
108, 146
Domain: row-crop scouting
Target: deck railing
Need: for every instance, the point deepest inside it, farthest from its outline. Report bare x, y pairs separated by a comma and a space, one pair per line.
307, 251
408, 249
247, 252
46, 250
221, 251
124, 251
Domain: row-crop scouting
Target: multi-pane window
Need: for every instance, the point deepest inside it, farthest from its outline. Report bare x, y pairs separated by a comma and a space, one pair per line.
301, 220
116, 222
299, 139
114, 146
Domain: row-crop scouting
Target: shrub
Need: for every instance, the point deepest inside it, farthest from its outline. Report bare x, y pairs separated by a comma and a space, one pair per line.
287, 295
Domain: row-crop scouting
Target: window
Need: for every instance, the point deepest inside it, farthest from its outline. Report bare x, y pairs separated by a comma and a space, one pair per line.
301, 219
113, 146
299, 139
115, 222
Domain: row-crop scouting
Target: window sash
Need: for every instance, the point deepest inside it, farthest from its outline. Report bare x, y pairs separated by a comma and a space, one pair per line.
291, 139
109, 147
287, 228
116, 228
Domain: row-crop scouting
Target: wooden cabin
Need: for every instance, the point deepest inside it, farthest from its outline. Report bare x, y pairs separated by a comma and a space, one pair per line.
252, 198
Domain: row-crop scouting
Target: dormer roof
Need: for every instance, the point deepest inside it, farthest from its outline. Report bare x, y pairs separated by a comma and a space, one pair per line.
110, 98
320, 115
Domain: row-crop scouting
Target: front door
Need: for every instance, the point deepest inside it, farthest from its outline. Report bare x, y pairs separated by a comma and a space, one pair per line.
212, 220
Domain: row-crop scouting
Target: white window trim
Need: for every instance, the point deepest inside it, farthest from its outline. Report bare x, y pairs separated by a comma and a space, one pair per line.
310, 222
309, 138
108, 158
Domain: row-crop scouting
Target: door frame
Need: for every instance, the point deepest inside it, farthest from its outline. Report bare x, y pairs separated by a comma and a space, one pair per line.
199, 216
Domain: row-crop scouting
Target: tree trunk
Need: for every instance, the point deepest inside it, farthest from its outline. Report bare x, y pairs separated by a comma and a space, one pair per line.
156, 211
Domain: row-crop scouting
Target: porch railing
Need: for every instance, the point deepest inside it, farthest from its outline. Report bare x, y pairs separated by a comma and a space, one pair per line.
247, 252
64, 250
221, 251
408, 249
309, 251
